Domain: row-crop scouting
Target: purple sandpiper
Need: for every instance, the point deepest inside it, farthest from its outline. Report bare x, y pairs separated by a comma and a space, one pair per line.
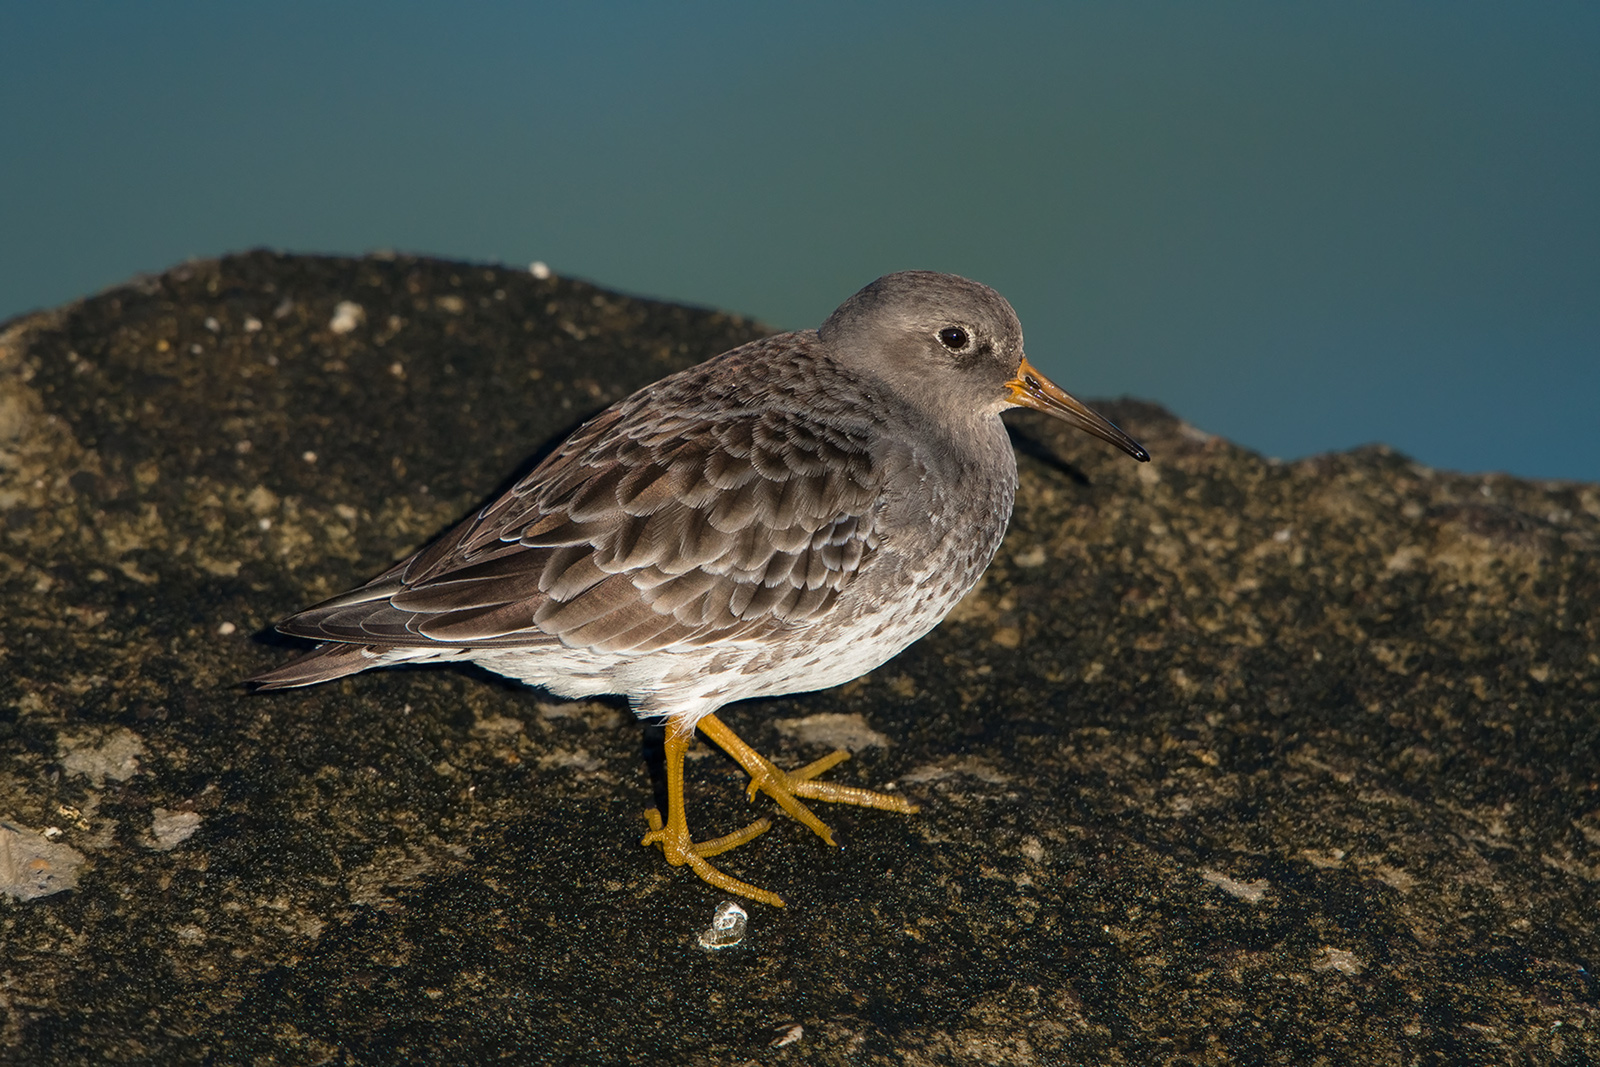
781, 518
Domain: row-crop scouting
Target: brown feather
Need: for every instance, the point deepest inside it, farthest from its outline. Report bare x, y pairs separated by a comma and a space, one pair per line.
477, 625
569, 573
617, 594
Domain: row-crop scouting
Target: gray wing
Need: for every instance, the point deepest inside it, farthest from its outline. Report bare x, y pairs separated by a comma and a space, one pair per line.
644, 531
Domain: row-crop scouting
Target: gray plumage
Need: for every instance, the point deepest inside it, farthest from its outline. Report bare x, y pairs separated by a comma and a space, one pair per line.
783, 517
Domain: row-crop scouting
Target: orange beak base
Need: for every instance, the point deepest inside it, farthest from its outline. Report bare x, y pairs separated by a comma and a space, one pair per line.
1030, 389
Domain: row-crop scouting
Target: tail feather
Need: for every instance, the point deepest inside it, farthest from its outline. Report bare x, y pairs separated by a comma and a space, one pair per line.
326, 662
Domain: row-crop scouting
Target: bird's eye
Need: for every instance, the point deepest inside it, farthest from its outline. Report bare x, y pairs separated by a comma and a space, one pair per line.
953, 337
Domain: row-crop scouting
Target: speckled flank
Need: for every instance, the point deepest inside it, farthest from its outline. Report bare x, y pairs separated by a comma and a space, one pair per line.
1224, 761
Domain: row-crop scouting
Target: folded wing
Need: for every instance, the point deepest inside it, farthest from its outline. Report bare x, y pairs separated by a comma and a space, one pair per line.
648, 529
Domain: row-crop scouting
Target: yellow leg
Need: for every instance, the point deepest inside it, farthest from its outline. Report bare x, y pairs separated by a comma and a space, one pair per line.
785, 786
672, 837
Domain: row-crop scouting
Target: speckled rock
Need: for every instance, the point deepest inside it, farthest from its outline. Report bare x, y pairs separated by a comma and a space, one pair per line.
1227, 760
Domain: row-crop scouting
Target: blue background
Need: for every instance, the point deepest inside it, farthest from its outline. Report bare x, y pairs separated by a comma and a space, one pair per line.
1304, 226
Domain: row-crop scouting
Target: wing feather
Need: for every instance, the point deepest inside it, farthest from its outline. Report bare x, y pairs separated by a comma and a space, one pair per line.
695, 511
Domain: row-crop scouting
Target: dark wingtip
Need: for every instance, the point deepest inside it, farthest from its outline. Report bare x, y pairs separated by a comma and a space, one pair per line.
321, 664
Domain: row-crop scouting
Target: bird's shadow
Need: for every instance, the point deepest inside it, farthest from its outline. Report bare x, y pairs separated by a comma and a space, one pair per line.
1032, 447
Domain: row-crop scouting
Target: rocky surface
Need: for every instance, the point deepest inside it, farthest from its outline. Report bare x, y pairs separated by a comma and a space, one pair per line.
1227, 761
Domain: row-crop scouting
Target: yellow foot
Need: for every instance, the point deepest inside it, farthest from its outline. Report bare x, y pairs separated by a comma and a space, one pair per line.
785, 786
676, 846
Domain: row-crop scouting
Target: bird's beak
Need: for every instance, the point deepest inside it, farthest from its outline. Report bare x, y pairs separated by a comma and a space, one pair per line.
1030, 389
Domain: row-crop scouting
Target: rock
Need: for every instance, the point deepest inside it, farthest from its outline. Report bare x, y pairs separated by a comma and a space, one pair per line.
98, 755
169, 829
1226, 760
34, 866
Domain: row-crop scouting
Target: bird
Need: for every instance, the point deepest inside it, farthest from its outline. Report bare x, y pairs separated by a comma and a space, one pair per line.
781, 518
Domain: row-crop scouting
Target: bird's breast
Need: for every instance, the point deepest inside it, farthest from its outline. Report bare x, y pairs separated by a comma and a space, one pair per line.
944, 517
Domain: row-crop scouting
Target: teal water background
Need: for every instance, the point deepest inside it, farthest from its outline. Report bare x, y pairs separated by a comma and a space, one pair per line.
1304, 226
